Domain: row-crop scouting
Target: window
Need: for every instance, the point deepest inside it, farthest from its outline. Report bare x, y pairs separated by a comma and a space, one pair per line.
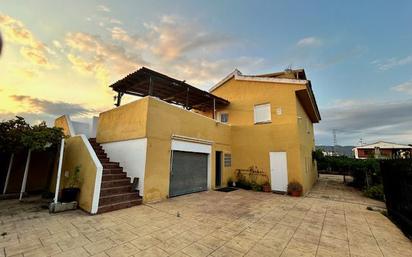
227, 158
262, 113
224, 117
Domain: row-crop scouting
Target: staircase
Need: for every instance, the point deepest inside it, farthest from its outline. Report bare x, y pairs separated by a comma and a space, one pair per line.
116, 190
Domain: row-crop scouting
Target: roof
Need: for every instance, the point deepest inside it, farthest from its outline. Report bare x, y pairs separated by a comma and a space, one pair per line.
144, 82
384, 145
298, 76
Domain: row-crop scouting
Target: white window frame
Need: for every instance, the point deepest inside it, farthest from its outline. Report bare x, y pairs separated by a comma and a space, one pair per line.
262, 107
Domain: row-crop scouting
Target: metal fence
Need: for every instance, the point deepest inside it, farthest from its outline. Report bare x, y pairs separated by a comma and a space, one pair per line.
397, 182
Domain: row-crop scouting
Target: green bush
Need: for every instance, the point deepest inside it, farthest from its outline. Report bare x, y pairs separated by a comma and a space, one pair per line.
375, 192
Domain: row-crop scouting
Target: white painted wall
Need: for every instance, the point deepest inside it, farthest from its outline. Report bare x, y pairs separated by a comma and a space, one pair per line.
93, 126
131, 154
181, 145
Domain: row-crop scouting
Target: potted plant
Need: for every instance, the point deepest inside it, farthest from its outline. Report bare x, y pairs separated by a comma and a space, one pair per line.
266, 187
295, 189
72, 187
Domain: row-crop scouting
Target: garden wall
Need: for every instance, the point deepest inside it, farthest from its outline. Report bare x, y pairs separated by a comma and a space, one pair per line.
397, 182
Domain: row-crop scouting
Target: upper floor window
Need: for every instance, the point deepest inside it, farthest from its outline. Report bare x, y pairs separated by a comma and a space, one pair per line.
224, 117
262, 113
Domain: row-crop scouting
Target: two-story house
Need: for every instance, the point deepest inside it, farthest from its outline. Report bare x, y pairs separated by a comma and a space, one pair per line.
265, 121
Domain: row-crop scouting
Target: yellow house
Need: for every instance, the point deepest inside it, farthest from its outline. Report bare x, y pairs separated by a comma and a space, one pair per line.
263, 121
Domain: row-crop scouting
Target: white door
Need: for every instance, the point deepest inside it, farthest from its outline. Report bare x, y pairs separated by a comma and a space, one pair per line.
278, 171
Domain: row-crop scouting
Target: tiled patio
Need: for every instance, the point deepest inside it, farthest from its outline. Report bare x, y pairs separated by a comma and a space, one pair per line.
239, 223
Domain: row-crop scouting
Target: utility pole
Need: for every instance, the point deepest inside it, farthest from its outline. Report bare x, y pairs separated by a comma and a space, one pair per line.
335, 143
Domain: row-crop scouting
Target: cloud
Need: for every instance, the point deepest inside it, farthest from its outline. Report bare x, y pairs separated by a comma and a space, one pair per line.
103, 8
120, 34
173, 37
37, 105
309, 42
90, 53
32, 49
392, 62
390, 121
115, 21
405, 87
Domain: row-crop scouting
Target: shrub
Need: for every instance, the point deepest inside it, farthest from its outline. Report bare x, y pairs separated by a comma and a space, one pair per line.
375, 192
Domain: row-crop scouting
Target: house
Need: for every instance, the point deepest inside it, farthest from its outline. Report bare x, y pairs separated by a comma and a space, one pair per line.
265, 121
382, 150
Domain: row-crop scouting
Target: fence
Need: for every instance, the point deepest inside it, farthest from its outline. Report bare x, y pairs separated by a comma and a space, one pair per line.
397, 182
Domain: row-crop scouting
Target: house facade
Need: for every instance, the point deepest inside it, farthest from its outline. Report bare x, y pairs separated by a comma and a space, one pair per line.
264, 121
382, 150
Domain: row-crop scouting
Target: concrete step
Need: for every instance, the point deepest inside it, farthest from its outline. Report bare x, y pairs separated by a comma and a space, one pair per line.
116, 183
112, 170
115, 190
111, 177
118, 206
118, 198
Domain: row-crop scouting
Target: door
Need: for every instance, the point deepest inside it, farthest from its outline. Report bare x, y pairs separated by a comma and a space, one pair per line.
278, 171
188, 173
218, 169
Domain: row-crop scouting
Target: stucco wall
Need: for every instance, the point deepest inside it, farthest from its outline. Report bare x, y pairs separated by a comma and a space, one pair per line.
251, 143
164, 121
77, 153
307, 145
62, 122
123, 123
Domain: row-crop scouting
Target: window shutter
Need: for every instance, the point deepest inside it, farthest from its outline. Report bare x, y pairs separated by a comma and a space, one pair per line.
262, 113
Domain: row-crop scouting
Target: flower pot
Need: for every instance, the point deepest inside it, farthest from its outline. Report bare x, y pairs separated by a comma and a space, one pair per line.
296, 193
69, 194
266, 188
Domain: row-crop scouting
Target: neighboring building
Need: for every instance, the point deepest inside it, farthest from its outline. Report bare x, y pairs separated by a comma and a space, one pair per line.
382, 150
264, 121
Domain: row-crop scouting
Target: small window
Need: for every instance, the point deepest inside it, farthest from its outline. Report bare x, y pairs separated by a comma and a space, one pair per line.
227, 158
262, 113
224, 117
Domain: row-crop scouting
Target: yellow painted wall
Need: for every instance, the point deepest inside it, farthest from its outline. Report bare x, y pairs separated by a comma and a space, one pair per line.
76, 153
165, 120
123, 123
307, 145
62, 122
251, 143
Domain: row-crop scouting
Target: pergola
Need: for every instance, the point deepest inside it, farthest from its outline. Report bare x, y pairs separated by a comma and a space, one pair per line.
147, 82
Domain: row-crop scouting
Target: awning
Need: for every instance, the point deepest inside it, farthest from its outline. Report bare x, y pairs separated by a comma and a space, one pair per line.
144, 82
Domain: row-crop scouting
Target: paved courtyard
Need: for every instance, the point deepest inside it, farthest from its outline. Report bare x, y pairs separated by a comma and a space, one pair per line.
238, 223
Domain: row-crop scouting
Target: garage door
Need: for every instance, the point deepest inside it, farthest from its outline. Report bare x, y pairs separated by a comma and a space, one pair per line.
189, 173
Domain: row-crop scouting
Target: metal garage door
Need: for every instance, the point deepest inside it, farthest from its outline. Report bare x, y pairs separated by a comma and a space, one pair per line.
189, 173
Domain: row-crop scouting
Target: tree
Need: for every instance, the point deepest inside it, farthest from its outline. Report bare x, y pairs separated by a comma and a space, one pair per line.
38, 138
11, 133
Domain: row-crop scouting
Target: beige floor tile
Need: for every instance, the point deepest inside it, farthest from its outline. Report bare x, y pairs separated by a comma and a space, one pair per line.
99, 246
145, 242
197, 250
126, 249
226, 252
43, 251
152, 252
78, 252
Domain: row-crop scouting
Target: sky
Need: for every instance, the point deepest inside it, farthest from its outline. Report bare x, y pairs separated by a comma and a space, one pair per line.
59, 57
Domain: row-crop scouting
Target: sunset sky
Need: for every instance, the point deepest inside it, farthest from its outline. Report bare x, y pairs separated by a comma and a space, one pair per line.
60, 57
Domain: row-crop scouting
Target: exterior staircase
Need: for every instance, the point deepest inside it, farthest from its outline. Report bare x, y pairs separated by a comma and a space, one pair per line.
116, 191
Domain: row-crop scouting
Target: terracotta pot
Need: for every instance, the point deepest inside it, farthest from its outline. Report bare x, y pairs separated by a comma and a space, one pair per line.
266, 188
296, 193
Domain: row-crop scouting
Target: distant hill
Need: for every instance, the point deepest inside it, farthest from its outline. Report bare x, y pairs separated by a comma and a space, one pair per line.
341, 150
